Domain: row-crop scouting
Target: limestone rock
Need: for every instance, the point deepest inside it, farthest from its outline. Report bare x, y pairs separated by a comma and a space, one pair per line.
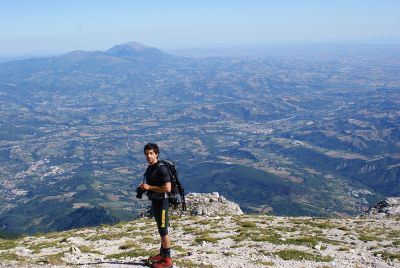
203, 204
209, 204
74, 249
385, 208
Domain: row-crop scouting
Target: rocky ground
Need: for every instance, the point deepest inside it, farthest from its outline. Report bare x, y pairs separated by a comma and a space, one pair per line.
223, 238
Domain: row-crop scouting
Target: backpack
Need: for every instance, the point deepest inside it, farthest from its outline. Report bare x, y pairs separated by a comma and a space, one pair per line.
177, 194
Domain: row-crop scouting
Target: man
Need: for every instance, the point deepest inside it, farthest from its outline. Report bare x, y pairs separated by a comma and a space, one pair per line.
158, 185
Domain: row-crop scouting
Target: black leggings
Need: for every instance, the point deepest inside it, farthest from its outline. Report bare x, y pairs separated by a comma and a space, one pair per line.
160, 211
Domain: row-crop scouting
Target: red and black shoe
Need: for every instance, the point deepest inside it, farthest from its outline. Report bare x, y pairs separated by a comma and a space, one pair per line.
163, 263
155, 258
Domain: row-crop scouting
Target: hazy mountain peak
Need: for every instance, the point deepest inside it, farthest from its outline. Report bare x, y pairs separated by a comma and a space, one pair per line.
133, 45
79, 53
133, 50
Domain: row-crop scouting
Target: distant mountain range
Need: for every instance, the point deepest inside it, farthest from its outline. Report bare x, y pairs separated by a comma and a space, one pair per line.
313, 133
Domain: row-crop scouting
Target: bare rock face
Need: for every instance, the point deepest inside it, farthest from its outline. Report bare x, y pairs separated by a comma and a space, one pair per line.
385, 208
210, 204
203, 204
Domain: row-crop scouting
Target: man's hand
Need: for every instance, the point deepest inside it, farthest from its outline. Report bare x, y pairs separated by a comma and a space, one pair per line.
144, 186
166, 188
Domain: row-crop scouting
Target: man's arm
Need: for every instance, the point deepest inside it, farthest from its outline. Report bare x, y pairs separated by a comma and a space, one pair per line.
165, 188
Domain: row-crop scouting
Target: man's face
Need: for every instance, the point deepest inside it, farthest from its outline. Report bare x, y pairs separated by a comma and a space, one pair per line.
151, 156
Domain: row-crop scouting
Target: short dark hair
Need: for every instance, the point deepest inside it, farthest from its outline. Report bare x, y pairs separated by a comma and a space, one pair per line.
151, 146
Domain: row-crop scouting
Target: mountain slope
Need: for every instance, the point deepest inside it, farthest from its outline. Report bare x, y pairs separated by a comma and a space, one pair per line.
222, 240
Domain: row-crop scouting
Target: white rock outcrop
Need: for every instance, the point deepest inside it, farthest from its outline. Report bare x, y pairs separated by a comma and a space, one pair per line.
390, 206
211, 204
203, 204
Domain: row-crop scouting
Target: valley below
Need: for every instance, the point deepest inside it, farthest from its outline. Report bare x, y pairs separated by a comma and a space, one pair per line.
292, 132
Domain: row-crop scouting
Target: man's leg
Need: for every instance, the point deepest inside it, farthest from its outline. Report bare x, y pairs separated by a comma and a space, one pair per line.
165, 242
163, 223
156, 207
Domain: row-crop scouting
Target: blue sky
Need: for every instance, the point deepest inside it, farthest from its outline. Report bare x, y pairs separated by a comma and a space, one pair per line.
57, 26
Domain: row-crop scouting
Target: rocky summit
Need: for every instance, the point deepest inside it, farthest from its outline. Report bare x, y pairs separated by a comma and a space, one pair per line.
215, 233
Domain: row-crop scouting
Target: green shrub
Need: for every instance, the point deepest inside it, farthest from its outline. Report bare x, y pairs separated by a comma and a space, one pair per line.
190, 264
388, 255
129, 244
54, 259
291, 254
248, 224
132, 253
396, 243
366, 238
7, 244
206, 238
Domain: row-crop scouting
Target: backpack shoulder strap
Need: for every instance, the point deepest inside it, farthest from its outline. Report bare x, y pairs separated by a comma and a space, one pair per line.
154, 172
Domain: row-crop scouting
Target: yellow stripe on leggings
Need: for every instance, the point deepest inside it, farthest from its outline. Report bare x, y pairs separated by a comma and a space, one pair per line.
163, 218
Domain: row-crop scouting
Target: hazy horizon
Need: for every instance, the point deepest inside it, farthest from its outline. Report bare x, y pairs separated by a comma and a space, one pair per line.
232, 50
46, 27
